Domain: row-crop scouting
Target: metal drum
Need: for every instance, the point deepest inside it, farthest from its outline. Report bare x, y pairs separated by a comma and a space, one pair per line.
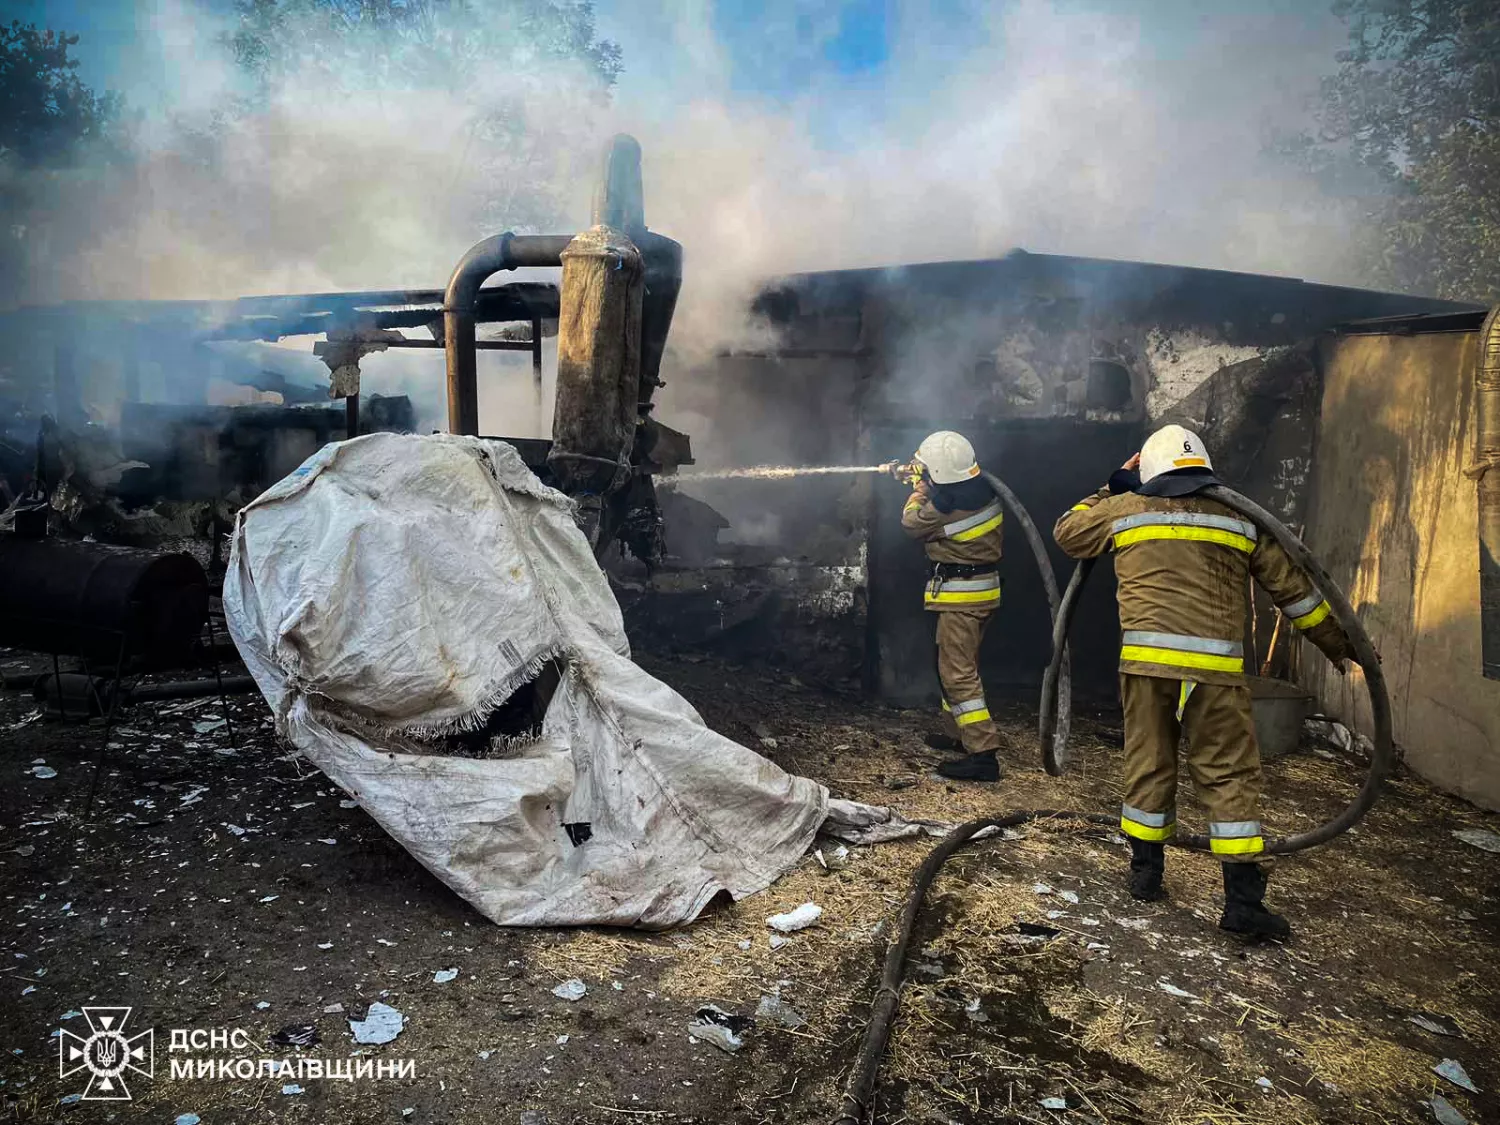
83, 599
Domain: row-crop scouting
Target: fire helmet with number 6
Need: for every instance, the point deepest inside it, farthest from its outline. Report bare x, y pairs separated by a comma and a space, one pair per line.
1172, 448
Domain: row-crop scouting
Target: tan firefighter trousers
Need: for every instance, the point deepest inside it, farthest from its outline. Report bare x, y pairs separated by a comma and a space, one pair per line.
1222, 758
966, 715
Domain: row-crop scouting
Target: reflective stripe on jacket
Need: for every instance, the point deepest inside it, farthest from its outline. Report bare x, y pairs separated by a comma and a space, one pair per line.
964, 538
1181, 565
979, 592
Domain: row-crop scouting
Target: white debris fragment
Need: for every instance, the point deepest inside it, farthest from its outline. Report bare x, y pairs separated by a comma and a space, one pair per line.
1068, 896
333, 1009
348, 804
188, 1119
777, 941
714, 1025
1172, 990
562, 1040
381, 1024
292, 1088
235, 829
262, 1005
325, 945
1263, 1082
43, 772
570, 990
776, 1010
1040, 889
270, 898
1479, 837
1454, 1072
794, 920
443, 976
1444, 1113
1054, 1103
330, 840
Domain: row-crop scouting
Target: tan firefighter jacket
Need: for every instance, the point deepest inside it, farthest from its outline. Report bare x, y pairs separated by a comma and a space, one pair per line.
1181, 565
963, 548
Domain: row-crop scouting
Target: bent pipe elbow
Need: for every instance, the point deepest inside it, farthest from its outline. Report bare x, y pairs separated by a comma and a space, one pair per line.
1382, 759
484, 259
1059, 671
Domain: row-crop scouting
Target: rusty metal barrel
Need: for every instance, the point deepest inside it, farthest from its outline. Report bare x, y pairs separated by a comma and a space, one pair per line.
85, 599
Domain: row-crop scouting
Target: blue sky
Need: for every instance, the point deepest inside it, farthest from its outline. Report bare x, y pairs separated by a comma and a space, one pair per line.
778, 50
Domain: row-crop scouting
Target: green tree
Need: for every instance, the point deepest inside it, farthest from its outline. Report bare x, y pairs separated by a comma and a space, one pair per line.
46, 112
49, 122
1409, 127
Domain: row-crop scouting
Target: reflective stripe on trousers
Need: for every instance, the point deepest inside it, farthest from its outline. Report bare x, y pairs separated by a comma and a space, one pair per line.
969, 712
1198, 527
1235, 837
1176, 651
1308, 611
972, 527
973, 593
1148, 826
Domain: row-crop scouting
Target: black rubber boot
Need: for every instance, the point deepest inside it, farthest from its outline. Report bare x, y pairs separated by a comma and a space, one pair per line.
1147, 861
976, 767
942, 742
1244, 904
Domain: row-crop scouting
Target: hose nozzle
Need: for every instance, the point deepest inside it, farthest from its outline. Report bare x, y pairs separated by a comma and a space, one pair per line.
908, 472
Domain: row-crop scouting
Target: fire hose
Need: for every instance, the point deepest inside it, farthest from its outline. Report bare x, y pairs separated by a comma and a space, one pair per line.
1052, 735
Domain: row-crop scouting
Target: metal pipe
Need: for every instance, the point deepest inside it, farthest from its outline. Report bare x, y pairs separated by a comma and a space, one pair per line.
479, 345
501, 252
1486, 472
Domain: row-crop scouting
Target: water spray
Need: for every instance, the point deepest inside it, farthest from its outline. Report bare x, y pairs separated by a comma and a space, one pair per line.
773, 472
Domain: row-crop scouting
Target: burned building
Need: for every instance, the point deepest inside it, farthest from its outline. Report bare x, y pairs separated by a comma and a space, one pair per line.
1055, 367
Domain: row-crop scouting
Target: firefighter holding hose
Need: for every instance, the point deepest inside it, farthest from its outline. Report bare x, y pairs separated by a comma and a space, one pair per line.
955, 514
1181, 563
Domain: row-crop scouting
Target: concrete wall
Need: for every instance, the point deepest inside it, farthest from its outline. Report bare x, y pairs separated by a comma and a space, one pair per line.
1394, 520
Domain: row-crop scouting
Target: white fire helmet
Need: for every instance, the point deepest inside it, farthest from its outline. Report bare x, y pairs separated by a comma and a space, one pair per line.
1172, 448
948, 457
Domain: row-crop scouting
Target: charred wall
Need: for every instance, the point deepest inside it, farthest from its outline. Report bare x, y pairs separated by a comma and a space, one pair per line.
1055, 368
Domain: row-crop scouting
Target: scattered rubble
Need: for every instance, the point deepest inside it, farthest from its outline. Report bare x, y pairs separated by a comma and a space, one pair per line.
714, 1025
1480, 838
773, 1009
1454, 1072
381, 1024
793, 920
573, 989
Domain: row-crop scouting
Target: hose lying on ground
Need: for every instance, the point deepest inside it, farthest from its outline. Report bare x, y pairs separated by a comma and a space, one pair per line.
862, 1075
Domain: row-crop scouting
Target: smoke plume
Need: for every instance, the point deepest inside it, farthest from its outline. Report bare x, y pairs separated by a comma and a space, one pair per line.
1057, 127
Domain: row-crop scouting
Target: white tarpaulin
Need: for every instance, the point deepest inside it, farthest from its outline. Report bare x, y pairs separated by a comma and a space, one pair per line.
394, 590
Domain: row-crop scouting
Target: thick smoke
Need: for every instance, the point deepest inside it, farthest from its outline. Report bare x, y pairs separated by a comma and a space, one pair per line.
1057, 127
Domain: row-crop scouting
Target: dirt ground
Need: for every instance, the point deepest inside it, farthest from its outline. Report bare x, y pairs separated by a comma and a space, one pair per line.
220, 883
